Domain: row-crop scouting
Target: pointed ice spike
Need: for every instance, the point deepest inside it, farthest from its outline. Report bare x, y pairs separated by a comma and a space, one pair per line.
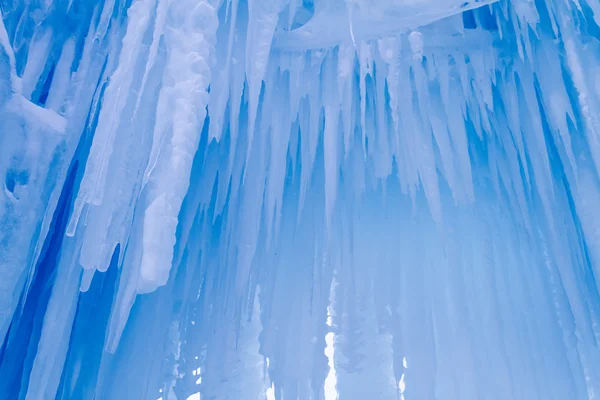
262, 20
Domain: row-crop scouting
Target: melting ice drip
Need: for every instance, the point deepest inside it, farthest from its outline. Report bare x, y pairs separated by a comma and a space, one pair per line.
181, 178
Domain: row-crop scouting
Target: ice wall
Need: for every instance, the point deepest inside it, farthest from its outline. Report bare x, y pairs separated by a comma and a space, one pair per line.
299, 199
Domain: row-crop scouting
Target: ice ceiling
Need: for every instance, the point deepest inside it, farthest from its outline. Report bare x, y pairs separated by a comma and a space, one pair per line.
299, 199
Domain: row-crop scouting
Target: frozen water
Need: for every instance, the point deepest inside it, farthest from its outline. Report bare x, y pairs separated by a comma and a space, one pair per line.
299, 199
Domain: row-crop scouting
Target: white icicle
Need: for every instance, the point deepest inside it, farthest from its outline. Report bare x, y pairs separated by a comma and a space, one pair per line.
190, 42
94, 181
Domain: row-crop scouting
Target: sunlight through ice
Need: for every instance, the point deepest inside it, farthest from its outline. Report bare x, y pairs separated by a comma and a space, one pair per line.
401, 383
331, 380
271, 392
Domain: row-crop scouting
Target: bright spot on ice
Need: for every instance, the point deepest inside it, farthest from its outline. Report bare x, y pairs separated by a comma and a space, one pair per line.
331, 380
271, 392
401, 384
195, 396
330, 386
197, 373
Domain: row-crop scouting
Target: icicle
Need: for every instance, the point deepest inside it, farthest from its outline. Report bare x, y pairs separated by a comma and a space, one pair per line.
56, 331
389, 50
262, 20
310, 126
425, 157
36, 60
188, 76
331, 134
220, 90
280, 130
157, 34
455, 110
93, 184
365, 68
345, 86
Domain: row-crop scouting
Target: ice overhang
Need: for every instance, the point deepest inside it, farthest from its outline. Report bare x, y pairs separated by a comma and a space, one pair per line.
354, 20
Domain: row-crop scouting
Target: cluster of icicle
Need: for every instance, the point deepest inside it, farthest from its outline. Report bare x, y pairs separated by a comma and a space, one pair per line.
197, 193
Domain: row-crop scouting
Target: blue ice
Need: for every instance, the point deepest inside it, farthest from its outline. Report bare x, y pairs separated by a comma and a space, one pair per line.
299, 199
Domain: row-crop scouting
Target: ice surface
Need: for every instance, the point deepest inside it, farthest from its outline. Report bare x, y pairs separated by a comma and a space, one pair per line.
299, 199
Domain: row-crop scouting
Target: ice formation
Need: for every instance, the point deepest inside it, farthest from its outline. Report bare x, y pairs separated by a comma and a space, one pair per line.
299, 199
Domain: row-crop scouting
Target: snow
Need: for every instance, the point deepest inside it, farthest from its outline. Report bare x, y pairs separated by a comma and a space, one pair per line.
299, 199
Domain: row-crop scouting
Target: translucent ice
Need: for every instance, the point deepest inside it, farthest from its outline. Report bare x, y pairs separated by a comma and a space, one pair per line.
299, 199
